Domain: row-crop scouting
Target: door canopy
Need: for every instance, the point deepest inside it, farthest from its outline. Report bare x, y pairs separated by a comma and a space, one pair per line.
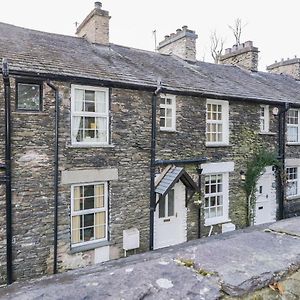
169, 177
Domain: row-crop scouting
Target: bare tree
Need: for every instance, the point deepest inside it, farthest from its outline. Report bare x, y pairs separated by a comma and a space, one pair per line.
216, 46
237, 30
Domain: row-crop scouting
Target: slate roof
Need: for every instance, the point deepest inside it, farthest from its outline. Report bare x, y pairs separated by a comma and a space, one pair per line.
54, 54
170, 179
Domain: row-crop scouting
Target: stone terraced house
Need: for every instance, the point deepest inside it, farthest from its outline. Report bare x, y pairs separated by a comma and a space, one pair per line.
110, 150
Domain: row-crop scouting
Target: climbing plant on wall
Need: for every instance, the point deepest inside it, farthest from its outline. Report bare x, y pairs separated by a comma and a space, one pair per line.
255, 169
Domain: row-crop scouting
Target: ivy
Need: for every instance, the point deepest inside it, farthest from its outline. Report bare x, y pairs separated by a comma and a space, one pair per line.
255, 169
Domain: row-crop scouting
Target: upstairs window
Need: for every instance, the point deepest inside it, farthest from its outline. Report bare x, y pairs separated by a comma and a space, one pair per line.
217, 122
90, 115
264, 118
29, 96
293, 126
168, 113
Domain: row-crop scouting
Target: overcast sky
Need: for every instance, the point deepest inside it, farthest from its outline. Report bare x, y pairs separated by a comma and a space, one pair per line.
272, 25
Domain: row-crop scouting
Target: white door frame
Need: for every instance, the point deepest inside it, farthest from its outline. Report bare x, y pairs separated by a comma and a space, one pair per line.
171, 229
265, 204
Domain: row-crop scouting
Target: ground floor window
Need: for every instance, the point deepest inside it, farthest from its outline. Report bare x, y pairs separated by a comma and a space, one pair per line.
216, 192
89, 213
292, 189
213, 206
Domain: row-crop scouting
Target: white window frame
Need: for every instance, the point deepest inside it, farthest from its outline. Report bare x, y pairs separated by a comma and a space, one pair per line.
297, 126
89, 114
219, 169
264, 118
224, 121
89, 211
169, 106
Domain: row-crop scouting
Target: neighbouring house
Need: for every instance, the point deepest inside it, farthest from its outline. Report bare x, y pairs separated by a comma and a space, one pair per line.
110, 150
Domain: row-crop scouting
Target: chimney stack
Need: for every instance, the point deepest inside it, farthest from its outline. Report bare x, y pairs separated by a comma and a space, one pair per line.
289, 67
182, 43
244, 55
95, 27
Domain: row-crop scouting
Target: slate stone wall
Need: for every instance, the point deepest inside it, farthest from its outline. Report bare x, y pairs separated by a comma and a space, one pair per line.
129, 152
189, 142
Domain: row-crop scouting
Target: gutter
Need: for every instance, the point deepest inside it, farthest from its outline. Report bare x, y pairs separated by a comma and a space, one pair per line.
56, 158
144, 87
7, 167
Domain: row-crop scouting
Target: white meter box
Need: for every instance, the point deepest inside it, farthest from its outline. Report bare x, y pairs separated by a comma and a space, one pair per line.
131, 239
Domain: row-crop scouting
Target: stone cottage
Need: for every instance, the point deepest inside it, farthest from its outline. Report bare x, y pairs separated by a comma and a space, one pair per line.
108, 150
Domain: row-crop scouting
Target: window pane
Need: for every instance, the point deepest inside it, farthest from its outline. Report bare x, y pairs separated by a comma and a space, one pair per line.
219, 211
100, 226
168, 123
169, 112
90, 106
162, 122
162, 207
28, 96
171, 203
88, 234
212, 212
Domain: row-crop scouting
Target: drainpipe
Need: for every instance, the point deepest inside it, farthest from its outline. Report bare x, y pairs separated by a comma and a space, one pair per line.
281, 156
7, 167
152, 163
55, 89
199, 171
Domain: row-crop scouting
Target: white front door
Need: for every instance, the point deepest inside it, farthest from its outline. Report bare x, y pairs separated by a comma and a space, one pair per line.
265, 206
170, 218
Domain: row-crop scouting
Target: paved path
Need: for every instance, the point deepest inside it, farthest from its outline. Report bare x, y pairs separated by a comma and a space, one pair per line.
233, 263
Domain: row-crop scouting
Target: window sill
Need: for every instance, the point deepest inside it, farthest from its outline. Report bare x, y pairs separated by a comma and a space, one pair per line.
81, 248
167, 130
216, 221
293, 144
217, 145
267, 133
91, 146
291, 198
31, 112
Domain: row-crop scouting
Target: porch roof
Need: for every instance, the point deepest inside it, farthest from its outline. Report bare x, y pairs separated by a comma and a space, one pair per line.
171, 177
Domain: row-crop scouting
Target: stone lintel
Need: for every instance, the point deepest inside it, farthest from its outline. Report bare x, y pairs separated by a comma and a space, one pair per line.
88, 175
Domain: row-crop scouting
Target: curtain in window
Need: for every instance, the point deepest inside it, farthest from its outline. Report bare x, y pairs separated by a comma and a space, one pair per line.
100, 102
100, 225
78, 107
76, 219
99, 196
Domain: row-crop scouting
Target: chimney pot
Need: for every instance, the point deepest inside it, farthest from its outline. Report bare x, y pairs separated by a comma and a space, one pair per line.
166, 36
184, 27
228, 50
248, 44
178, 30
98, 5
234, 47
275, 61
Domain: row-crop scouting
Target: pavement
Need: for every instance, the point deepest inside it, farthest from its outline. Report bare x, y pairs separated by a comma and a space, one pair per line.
225, 265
